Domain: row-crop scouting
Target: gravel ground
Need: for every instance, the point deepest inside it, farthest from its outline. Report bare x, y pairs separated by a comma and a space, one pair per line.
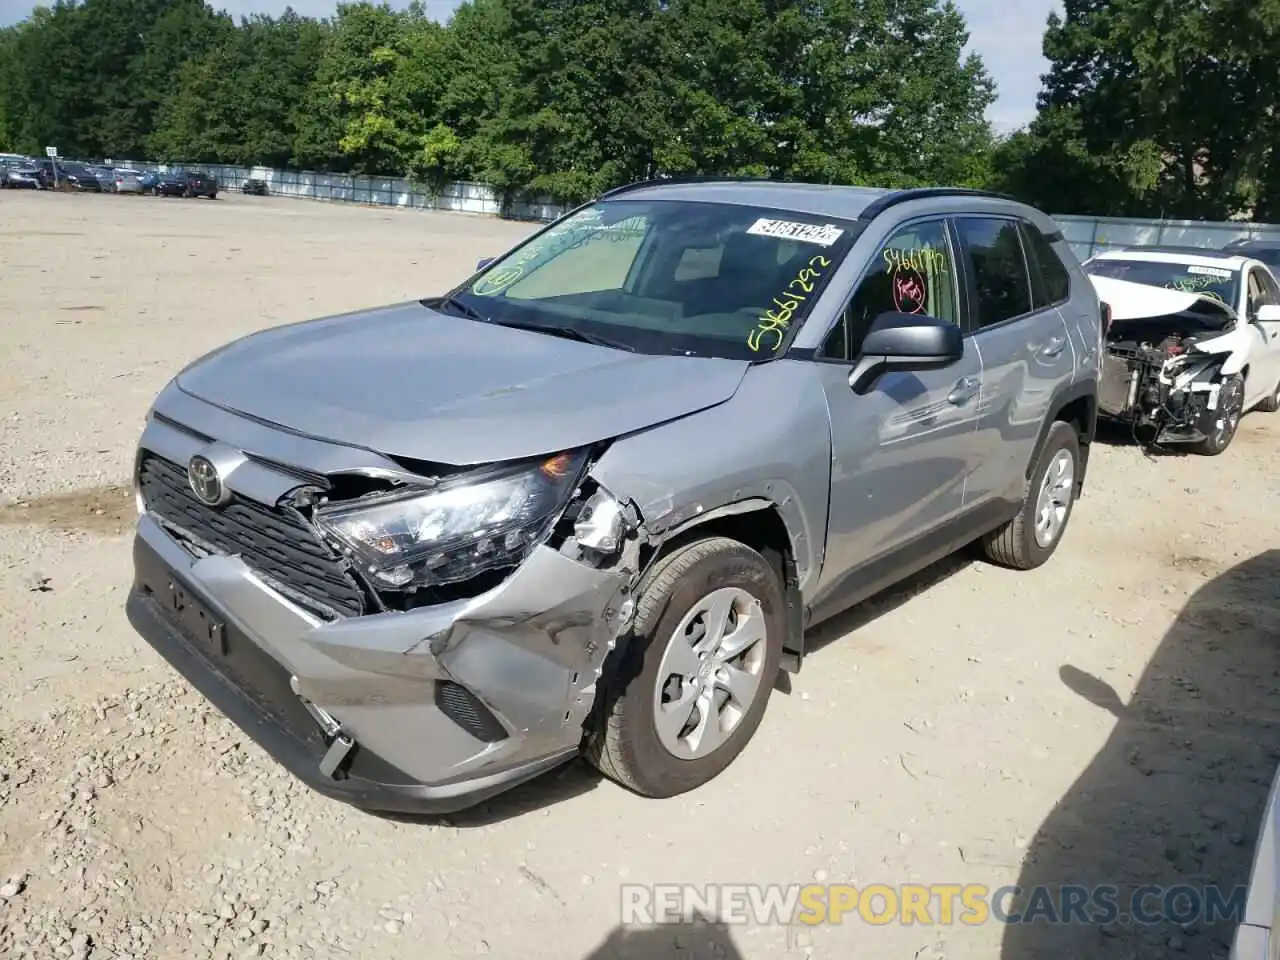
1110, 718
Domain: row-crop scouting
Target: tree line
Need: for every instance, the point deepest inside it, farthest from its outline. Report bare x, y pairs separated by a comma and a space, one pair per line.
1150, 107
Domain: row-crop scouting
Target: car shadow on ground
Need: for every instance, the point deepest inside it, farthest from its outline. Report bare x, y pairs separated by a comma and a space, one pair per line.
1114, 434
889, 599
564, 783
696, 940
1176, 795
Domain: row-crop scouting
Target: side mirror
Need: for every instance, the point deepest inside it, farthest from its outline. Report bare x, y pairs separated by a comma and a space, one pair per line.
904, 341
1269, 313
483, 262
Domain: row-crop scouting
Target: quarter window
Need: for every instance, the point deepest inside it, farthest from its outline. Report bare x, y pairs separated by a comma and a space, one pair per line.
1000, 279
914, 272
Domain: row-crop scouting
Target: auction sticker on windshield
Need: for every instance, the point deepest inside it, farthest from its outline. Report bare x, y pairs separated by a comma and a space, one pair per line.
823, 234
1210, 272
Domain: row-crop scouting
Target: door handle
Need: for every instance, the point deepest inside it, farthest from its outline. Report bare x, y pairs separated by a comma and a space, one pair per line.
963, 391
1053, 348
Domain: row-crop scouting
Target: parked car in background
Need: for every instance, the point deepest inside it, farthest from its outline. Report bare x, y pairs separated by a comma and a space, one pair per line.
19, 175
201, 184
44, 172
1194, 343
1266, 250
79, 177
172, 183
106, 178
576, 517
127, 180
149, 181
255, 187
187, 183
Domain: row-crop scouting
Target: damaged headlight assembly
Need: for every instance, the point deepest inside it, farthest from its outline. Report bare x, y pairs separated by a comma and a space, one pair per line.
458, 529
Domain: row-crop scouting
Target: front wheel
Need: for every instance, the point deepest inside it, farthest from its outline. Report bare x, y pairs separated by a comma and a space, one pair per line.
692, 683
1222, 429
1030, 538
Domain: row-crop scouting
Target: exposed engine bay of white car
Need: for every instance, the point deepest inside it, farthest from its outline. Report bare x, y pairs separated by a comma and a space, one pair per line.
1169, 356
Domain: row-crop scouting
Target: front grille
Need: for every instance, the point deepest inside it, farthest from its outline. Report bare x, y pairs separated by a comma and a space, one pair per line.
277, 544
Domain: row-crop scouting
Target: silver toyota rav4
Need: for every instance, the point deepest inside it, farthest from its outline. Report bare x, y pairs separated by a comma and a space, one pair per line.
589, 501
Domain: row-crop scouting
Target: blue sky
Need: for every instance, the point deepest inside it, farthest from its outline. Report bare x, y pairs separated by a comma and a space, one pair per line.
1006, 33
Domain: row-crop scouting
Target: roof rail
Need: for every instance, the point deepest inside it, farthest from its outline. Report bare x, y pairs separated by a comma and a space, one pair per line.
881, 204
677, 181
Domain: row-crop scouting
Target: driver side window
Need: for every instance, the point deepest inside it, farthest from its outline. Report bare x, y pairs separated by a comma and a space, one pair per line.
914, 272
1263, 290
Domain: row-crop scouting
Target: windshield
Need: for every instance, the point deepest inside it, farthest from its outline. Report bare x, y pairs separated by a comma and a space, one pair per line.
668, 276
1221, 283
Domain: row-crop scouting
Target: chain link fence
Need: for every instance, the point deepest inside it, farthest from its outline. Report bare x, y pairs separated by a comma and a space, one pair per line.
1086, 235
463, 197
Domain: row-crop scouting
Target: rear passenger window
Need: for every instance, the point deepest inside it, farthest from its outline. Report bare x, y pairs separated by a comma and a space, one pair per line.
998, 267
1050, 282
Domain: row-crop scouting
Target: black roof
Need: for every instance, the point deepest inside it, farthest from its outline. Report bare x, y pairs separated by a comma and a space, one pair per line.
1254, 243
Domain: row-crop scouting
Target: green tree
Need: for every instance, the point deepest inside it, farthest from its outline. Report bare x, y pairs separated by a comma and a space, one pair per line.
1153, 108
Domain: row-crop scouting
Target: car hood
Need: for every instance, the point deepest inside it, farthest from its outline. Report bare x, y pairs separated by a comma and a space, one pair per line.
405, 380
1139, 310
1137, 301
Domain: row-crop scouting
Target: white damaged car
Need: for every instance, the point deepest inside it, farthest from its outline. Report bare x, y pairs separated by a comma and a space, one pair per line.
1193, 343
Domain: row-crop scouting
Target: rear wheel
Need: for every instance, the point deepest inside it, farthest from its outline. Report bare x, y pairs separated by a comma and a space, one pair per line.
692, 684
1030, 538
1223, 428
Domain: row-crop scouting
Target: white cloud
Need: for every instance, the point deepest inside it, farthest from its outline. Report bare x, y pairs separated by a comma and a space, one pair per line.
1007, 33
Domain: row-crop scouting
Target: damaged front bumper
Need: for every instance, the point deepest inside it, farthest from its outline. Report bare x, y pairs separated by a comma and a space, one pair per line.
432, 710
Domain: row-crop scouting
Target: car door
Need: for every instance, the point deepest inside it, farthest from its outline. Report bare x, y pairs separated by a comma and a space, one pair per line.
1264, 359
899, 451
1025, 349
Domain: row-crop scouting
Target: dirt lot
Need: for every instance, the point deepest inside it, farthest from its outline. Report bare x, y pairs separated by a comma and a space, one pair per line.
1111, 718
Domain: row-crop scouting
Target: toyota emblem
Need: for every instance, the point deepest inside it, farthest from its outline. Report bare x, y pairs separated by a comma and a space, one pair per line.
205, 482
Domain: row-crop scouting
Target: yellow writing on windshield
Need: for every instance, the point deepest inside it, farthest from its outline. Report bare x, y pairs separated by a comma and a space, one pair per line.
1200, 285
572, 236
919, 259
492, 284
777, 319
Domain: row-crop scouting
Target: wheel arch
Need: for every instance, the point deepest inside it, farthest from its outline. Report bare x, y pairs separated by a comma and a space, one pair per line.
1077, 405
758, 523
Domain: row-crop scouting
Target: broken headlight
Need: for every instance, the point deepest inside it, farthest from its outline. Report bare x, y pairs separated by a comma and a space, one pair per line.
453, 532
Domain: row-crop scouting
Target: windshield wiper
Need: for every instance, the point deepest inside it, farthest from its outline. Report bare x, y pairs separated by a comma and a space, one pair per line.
466, 309
568, 333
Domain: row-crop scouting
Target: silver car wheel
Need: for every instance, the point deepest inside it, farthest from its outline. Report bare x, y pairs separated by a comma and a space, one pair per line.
710, 673
1056, 491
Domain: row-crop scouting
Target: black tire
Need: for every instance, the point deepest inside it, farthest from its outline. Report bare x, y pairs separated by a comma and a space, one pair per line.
1231, 398
623, 741
1015, 544
1272, 403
